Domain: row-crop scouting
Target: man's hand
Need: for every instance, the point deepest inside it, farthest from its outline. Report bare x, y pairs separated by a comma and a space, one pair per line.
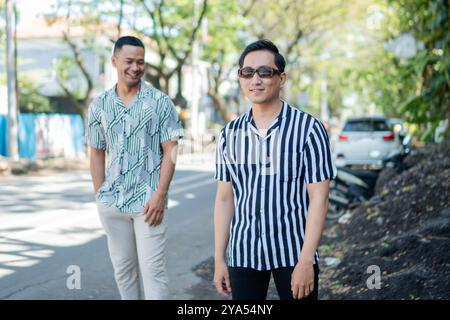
222, 278
302, 280
154, 209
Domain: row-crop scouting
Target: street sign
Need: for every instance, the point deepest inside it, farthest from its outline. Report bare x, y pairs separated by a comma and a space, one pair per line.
403, 46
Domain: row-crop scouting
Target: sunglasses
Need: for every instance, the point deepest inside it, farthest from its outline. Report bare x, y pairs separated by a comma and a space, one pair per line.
263, 72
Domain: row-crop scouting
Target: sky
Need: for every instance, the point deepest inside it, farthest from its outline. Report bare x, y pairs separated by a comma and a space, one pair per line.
29, 9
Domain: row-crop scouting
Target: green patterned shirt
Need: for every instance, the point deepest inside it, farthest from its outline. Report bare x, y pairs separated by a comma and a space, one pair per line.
132, 137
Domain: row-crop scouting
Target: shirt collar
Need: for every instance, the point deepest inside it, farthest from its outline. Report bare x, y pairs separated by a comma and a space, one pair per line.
143, 91
249, 114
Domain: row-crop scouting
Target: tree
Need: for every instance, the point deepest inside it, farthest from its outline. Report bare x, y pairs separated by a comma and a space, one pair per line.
221, 50
174, 27
429, 22
171, 27
306, 32
30, 100
11, 65
74, 63
79, 99
415, 87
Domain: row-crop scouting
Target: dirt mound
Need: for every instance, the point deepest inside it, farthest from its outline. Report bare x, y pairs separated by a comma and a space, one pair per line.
404, 230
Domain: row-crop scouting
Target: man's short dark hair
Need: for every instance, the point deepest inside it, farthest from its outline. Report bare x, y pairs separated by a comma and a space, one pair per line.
127, 41
264, 45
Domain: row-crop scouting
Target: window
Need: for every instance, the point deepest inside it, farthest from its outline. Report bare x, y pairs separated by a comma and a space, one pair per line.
366, 125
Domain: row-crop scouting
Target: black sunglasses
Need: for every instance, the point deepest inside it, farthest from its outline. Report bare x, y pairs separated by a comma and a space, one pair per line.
263, 72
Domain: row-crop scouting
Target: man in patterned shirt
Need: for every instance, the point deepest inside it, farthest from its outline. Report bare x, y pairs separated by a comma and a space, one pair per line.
138, 126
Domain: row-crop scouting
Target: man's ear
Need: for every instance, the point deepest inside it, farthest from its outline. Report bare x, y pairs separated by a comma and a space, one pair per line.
113, 60
283, 79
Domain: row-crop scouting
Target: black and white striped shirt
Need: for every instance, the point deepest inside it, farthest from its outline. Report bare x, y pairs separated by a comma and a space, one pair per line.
269, 176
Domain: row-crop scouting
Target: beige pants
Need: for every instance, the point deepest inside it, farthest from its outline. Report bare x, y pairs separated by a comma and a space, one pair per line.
135, 246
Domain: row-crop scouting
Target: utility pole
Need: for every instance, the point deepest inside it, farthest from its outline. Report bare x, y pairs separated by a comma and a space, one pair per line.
13, 145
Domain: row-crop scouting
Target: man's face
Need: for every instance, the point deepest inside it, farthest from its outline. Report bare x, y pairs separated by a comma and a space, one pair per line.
261, 90
130, 64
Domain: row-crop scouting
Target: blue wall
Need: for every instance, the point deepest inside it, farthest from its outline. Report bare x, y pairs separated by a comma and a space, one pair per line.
27, 134
3, 135
76, 123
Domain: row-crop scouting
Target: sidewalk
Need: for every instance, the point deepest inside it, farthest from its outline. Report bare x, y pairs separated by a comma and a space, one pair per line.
198, 161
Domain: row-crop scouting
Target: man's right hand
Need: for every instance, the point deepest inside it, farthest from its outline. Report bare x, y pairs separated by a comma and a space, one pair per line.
221, 278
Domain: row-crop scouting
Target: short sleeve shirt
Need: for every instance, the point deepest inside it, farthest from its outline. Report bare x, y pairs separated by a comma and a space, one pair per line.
269, 176
132, 137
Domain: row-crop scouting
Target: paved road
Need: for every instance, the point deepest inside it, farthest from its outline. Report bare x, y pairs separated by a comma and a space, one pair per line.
48, 223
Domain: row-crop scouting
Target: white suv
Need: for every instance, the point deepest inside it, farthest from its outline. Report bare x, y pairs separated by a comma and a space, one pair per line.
366, 141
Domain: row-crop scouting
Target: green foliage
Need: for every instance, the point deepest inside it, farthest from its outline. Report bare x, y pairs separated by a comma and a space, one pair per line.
223, 42
30, 100
66, 68
222, 45
417, 88
431, 66
315, 39
342, 41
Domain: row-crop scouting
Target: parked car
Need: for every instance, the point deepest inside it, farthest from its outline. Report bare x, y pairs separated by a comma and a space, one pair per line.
366, 141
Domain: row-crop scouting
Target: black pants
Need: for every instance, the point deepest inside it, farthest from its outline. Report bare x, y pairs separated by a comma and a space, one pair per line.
251, 284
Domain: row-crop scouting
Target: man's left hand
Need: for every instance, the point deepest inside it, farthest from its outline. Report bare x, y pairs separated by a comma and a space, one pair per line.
154, 209
302, 280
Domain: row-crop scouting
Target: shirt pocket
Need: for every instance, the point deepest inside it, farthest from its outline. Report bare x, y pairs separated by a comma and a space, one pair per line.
290, 166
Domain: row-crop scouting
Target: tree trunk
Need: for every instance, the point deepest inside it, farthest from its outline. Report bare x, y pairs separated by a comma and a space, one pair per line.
13, 143
220, 107
119, 24
164, 82
16, 16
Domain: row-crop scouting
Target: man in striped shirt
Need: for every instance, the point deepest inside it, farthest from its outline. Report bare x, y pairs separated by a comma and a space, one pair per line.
273, 169
139, 127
